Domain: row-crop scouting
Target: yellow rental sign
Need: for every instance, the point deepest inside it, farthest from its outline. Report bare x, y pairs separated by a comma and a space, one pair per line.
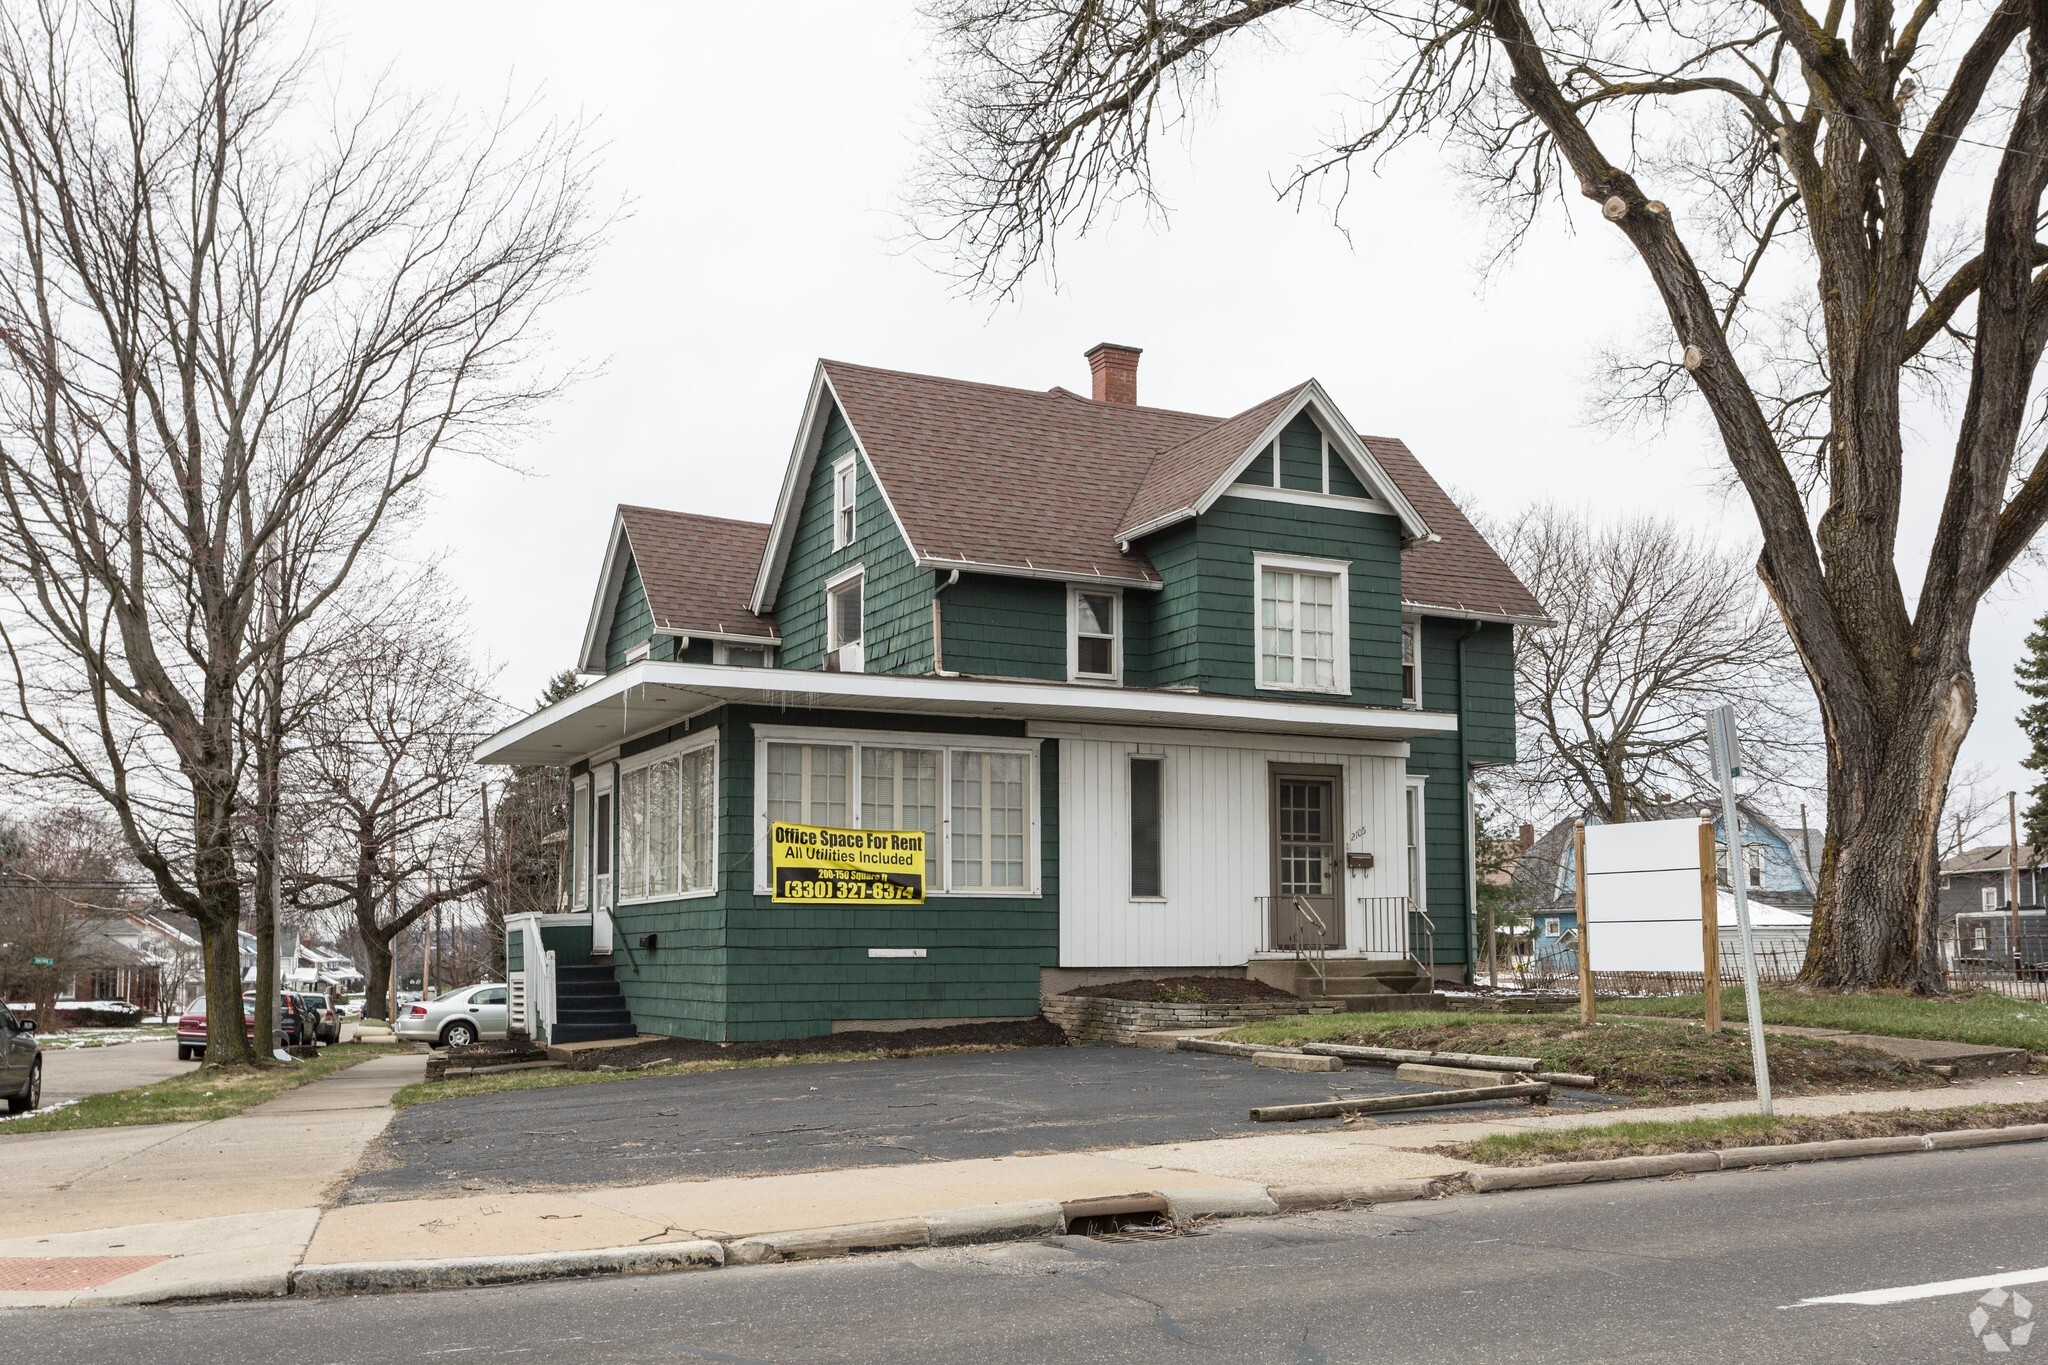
815, 864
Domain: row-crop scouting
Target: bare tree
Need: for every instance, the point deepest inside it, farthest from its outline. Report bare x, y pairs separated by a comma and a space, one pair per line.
385, 779
1973, 812
1653, 627
1838, 211
61, 880
229, 308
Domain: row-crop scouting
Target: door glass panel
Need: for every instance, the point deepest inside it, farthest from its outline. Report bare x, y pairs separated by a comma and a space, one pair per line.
1305, 837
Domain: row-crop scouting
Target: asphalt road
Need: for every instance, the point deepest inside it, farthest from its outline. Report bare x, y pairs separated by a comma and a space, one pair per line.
1707, 1268
71, 1073
819, 1116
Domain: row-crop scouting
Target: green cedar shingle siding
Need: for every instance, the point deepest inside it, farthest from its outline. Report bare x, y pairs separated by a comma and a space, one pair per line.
1203, 624
1005, 627
1342, 480
1301, 455
736, 967
1260, 470
632, 621
896, 625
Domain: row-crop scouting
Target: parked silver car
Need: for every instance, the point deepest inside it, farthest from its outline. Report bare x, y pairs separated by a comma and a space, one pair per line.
456, 1019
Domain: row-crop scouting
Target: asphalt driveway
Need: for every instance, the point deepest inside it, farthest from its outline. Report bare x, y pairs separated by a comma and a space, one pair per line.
786, 1119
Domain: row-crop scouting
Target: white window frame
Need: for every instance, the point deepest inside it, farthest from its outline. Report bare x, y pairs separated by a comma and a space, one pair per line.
694, 744
1415, 790
1131, 760
1340, 610
845, 501
1411, 631
1754, 865
721, 650
1115, 676
943, 744
832, 587
580, 813
1988, 898
1553, 926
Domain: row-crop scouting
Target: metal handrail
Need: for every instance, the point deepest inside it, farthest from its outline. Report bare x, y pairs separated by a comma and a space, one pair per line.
1314, 954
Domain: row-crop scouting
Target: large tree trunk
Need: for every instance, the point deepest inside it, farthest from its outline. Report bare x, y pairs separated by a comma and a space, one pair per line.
226, 1042
377, 1002
1875, 920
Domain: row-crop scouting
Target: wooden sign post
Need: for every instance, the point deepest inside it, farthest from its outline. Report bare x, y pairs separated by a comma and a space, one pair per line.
1587, 1008
1710, 925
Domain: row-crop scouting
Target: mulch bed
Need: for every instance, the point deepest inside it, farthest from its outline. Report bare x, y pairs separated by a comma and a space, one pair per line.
1033, 1032
1183, 990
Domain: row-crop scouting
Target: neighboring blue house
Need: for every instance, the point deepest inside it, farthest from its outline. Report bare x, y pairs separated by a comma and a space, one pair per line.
1775, 875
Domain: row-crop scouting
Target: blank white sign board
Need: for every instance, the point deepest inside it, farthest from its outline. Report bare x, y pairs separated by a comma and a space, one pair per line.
1643, 896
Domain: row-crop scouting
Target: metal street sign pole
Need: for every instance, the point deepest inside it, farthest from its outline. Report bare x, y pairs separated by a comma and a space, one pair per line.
1727, 753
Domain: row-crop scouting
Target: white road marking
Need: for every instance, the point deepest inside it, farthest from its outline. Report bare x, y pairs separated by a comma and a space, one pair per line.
1934, 1290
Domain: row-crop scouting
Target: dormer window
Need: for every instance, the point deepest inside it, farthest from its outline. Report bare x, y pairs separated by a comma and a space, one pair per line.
842, 503
1094, 636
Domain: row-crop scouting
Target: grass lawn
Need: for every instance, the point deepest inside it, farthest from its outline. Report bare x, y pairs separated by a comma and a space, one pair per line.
1660, 1138
1982, 1017
1649, 1060
464, 1086
198, 1094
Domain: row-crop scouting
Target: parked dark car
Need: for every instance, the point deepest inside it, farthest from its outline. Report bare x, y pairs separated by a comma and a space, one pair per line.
291, 1018
192, 1030
326, 1023
21, 1063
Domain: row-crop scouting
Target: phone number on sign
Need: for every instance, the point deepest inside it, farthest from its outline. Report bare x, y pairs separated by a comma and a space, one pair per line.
793, 889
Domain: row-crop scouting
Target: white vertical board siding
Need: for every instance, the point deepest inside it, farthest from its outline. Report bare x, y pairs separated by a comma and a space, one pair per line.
1215, 852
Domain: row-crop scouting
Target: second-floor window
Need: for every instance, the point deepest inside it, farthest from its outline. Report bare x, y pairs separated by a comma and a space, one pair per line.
843, 622
1096, 650
1411, 663
1753, 865
1303, 640
842, 503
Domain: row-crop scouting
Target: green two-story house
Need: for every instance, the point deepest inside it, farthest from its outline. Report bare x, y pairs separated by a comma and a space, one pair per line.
1162, 692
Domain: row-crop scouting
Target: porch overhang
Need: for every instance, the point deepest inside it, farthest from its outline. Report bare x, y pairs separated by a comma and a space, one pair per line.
653, 694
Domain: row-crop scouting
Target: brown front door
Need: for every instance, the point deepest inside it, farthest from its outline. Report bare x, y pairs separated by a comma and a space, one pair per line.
1308, 877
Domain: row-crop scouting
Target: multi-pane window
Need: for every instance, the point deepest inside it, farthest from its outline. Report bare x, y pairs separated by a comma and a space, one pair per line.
1412, 822
1298, 632
972, 804
807, 783
1147, 804
668, 826
1989, 898
988, 820
579, 845
899, 789
1411, 664
1753, 865
843, 488
1095, 635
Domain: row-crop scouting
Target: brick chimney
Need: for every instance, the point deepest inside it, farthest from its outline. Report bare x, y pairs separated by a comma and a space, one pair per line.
1528, 836
1115, 370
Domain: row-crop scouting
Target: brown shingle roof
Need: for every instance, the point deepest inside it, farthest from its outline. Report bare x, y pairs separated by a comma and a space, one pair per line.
698, 572
1046, 481
1022, 478
1181, 474
1459, 571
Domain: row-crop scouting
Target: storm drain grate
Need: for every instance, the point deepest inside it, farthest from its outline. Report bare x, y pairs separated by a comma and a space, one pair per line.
1121, 1218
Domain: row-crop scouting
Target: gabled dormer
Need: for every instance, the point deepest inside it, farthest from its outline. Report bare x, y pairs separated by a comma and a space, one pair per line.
675, 586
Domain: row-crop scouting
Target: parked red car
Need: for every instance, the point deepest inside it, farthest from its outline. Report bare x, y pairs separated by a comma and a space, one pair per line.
192, 1029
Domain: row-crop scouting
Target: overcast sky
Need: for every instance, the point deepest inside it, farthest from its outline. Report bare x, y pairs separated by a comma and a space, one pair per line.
764, 149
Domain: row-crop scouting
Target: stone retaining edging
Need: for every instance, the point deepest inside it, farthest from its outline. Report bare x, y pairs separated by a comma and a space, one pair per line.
1096, 1019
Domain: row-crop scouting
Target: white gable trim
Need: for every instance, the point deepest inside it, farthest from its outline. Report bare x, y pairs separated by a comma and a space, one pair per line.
591, 659
1342, 439
803, 458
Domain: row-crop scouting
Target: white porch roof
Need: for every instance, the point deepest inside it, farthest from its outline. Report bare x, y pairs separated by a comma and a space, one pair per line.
649, 695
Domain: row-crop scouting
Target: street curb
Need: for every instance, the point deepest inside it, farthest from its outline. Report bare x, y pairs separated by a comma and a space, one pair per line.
1036, 1219
375, 1277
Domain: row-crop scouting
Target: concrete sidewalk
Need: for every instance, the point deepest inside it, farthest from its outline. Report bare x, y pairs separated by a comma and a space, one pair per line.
245, 1234
233, 1201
